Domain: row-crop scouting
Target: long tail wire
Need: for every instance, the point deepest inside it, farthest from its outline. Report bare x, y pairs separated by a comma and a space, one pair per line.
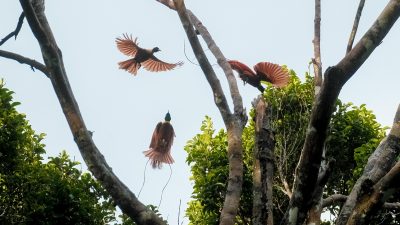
144, 177
191, 61
162, 192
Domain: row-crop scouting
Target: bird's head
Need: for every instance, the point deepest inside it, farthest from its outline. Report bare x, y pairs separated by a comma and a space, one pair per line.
167, 117
156, 49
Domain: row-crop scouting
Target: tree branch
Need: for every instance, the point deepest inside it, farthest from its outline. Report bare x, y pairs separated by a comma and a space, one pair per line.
335, 77
23, 60
379, 163
370, 203
339, 198
169, 3
95, 161
355, 26
16, 31
233, 123
219, 97
314, 215
236, 97
317, 47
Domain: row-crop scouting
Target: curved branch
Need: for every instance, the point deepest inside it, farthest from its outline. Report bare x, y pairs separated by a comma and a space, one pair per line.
335, 77
333, 200
355, 26
16, 31
95, 161
23, 60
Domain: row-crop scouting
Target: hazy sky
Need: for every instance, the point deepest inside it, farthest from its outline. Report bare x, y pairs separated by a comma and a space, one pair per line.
123, 110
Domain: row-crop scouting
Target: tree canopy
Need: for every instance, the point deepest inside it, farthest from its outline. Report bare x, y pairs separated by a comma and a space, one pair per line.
353, 135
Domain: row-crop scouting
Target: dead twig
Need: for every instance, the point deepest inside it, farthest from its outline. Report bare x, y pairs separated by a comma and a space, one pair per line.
16, 31
355, 26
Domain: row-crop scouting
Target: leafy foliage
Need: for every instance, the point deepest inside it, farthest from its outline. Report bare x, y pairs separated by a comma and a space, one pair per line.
33, 192
354, 134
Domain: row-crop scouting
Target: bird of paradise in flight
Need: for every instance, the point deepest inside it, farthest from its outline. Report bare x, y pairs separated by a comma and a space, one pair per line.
264, 71
141, 57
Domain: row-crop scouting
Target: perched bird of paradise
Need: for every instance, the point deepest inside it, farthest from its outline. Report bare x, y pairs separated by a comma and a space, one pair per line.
160, 146
141, 57
264, 71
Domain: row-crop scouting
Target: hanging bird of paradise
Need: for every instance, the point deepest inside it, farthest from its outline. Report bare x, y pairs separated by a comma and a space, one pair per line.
263, 71
160, 146
141, 57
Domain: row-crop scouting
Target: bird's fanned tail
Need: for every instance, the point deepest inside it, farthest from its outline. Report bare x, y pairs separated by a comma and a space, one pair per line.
157, 158
130, 65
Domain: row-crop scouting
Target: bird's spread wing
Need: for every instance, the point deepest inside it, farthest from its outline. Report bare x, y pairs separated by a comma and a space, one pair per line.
241, 68
273, 73
155, 65
127, 45
154, 138
246, 74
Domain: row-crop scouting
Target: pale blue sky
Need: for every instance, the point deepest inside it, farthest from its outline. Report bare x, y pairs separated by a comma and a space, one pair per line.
123, 110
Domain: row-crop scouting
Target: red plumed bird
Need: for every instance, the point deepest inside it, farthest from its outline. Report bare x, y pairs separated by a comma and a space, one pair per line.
264, 71
160, 146
141, 57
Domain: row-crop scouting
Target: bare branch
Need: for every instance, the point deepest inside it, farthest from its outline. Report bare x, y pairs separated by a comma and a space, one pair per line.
370, 203
314, 215
393, 205
333, 200
237, 99
339, 198
169, 3
23, 60
202, 30
16, 31
317, 47
335, 77
95, 161
355, 26
287, 189
233, 123
219, 97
